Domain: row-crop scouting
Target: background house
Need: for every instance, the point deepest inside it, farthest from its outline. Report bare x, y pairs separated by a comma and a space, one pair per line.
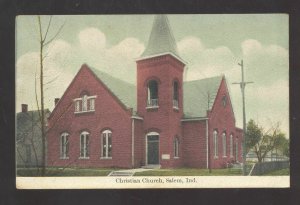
29, 138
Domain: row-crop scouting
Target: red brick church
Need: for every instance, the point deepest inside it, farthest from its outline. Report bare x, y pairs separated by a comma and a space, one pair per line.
102, 121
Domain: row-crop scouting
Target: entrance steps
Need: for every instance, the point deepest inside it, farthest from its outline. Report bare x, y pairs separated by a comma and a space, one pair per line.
152, 166
121, 173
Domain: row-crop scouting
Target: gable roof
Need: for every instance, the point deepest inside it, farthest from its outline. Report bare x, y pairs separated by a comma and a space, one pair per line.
124, 91
161, 40
199, 96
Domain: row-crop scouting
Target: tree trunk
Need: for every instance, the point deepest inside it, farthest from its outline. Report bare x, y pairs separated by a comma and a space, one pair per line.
42, 100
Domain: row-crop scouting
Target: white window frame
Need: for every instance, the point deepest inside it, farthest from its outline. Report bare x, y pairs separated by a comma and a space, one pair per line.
85, 145
105, 135
224, 143
85, 104
215, 139
231, 145
64, 142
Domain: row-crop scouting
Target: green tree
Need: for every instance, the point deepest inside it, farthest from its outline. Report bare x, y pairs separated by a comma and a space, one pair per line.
253, 135
263, 142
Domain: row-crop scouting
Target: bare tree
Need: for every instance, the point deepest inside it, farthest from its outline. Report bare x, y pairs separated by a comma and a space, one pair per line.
43, 41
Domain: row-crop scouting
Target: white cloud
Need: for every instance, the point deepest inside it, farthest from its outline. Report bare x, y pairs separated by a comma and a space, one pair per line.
92, 39
250, 46
58, 52
189, 47
205, 62
265, 64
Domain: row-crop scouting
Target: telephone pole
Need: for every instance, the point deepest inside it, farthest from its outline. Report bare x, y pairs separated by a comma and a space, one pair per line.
243, 85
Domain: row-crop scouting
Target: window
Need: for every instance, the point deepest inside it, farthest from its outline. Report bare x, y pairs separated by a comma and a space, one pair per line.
224, 144
64, 146
175, 94
215, 136
85, 104
152, 100
231, 145
176, 147
84, 145
106, 144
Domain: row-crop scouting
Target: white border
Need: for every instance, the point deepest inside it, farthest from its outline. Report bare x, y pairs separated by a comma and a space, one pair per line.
111, 182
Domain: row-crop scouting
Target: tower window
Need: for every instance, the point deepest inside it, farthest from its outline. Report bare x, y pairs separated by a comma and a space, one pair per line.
152, 100
175, 95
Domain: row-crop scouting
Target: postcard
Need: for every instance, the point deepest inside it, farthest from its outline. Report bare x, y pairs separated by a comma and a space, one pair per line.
152, 101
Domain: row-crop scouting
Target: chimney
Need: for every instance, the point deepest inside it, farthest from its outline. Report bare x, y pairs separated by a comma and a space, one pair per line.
56, 101
24, 107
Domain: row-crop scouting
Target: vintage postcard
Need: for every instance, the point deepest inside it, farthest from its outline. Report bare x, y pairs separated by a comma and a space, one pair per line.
152, 101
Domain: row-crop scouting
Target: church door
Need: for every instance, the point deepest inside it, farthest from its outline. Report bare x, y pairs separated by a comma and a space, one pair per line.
152, 149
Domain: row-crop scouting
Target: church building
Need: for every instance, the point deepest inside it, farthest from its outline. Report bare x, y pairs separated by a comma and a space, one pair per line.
162, 121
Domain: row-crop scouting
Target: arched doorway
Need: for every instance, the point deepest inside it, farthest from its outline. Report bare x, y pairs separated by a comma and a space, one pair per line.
152, 148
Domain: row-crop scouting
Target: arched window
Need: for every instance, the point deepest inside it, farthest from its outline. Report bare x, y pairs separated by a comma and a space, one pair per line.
84, 144
176, 147
106, 144
215, 138
175, 94
231, 145
152, 94
64, 146
224, 138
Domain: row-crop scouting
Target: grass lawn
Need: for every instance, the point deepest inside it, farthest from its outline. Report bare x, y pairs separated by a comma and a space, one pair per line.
281, 172
30, 172
189, 172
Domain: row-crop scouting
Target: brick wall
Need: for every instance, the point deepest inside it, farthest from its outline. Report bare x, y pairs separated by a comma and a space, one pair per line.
139, 143
165, 120
194, 144
109, 114
221, 118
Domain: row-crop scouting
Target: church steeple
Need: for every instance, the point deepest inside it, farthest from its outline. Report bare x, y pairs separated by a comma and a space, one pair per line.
161, 40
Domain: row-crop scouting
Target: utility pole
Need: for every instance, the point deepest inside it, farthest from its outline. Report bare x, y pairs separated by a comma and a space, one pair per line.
243, 85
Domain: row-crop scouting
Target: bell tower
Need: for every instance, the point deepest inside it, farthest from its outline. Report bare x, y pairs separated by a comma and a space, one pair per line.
160, 90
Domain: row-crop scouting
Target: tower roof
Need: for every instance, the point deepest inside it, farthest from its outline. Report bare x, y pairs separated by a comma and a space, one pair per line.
161, 40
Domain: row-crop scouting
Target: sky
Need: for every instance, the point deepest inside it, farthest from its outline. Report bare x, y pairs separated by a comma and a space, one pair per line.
210, 44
